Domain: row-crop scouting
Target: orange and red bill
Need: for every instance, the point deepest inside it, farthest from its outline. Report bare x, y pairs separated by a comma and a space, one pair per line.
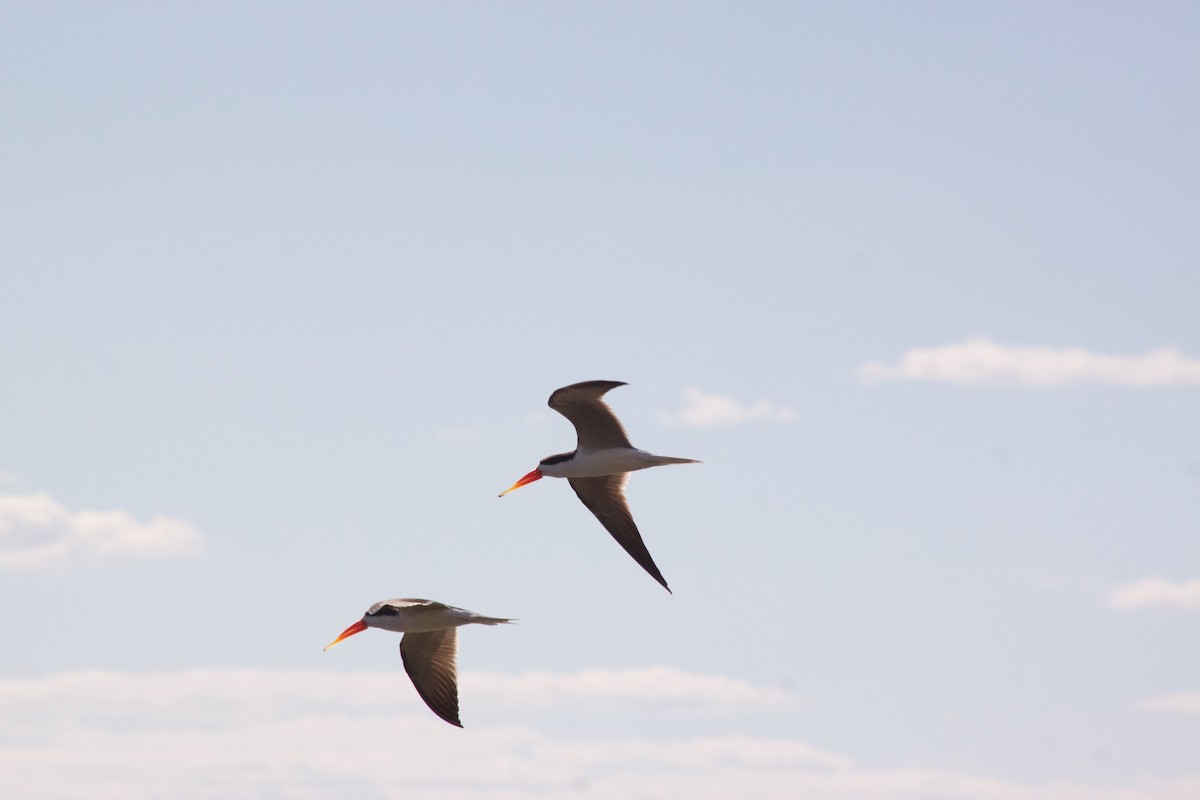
357, 627
529, 478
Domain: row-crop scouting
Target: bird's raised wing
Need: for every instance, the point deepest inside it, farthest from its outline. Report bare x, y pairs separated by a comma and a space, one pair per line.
595, 424
605, 497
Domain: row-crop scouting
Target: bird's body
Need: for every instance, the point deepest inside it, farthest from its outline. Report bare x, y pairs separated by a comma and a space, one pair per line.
610, 460
429, 646
413, 615
599, 466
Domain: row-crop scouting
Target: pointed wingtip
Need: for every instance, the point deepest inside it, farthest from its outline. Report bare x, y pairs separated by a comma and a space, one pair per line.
654, 573
449, 715
446, 717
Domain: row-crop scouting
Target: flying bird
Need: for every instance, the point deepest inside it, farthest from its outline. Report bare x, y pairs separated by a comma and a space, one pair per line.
599, 466
428, 646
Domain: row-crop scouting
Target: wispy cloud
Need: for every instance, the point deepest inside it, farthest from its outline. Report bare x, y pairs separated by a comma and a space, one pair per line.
702, 410
982, 361
1156, 592
195, 696
636, 689
36, 531
321, 736
1181, 703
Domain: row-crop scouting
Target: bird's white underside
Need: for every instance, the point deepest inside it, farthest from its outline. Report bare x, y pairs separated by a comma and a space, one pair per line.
592, 464
426, 618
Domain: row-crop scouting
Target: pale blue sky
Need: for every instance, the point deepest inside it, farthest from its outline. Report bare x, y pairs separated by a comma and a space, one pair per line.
298, 279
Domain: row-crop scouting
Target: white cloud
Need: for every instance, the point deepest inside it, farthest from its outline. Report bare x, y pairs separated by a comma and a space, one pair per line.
636, 689
1150, 592
201, 696
702, 410
1181, 703
244, 734
979, 360
252, 733
36, 531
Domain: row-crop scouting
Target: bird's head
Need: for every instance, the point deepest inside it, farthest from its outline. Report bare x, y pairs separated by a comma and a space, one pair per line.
547, 466
377, 616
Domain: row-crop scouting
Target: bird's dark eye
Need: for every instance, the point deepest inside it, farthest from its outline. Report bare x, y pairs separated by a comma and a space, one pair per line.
558, 459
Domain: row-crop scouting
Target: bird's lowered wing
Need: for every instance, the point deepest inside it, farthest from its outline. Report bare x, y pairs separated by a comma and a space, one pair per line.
429, 659
605, 497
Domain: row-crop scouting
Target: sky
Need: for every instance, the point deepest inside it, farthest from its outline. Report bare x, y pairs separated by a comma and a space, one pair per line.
284, 289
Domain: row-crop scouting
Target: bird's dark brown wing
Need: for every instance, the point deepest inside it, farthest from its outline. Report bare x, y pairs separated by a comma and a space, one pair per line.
605, 497
429, 659
595, 424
